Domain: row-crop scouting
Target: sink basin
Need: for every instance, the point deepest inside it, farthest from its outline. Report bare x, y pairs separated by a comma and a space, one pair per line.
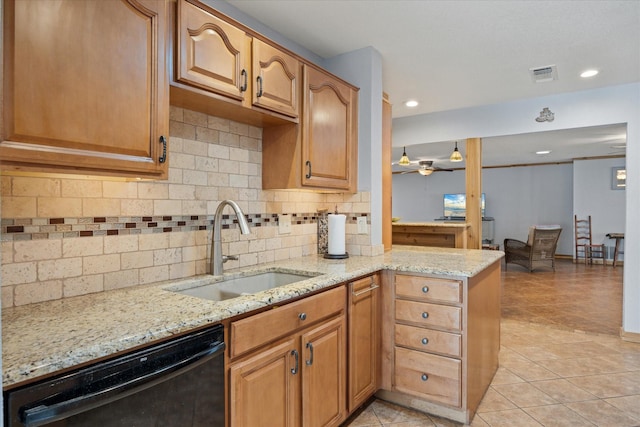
244, 285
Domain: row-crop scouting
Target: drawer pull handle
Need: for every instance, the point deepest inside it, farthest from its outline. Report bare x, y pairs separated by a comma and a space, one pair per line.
302, 316
259, 81
364, 291
294, 370
425, 315
310, 361
425, 289
425, 341
163, 157
308, 165
424, 377
243, 73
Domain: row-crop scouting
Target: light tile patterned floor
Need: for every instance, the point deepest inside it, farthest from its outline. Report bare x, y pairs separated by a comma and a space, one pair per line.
551, 373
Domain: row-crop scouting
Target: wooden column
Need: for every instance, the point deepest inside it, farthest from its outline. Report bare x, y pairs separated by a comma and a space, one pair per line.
386, 172
473, 160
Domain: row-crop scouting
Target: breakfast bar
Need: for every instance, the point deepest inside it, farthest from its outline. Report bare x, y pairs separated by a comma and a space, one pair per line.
438, 234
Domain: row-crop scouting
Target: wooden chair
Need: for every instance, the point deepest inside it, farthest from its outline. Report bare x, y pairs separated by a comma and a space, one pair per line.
585, 248
538, 251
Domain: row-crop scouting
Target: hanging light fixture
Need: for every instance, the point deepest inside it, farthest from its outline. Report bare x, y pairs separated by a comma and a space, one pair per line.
425, 172
404, 160
456, 156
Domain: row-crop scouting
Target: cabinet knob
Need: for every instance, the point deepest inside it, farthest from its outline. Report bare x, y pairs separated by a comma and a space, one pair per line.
424, 377
425, 341
425, 315
425, 289
302, 316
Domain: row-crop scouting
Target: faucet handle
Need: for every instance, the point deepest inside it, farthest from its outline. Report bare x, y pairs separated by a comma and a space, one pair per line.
226, 258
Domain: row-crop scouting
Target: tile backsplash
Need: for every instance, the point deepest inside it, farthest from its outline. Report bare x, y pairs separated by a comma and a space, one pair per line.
68, 235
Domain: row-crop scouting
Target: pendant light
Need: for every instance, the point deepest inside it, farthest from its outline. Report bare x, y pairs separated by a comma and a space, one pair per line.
404, 160
456, 156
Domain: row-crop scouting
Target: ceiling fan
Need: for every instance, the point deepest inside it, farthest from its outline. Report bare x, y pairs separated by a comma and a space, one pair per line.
425, 168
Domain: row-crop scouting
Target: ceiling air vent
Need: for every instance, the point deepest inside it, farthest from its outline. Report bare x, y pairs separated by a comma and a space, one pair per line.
544, 74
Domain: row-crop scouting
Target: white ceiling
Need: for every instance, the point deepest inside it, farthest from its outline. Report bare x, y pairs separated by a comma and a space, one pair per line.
457, 54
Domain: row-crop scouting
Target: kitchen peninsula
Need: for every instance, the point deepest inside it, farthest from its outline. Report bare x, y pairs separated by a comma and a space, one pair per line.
439, 234
44, 338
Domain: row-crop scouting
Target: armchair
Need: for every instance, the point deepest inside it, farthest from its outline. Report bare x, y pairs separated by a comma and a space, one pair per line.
539, 251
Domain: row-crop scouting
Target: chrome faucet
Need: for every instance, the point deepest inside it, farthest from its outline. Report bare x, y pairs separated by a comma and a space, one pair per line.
217, 259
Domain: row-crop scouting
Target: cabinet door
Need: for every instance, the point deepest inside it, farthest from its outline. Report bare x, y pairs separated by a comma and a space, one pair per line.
276, 78
364, 340
85, 86
329, 135
324, 374
264, 389
212, 55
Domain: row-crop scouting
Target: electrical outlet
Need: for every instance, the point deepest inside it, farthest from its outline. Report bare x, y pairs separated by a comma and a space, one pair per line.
362, 225
284, 224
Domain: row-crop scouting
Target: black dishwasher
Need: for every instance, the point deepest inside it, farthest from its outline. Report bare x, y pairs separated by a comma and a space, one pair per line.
179, 383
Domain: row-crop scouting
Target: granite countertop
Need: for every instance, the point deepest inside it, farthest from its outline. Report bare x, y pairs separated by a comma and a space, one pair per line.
39, 339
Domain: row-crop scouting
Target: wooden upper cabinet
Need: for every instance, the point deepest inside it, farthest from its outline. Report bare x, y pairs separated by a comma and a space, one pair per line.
329, 132
276, 76
224, 69
212, 54
85, 87
321, 152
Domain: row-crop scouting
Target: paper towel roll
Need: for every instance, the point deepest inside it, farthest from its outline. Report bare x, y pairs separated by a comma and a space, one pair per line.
336, 234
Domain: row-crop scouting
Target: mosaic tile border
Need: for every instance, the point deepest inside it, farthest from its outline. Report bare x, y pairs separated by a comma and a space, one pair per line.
16, 229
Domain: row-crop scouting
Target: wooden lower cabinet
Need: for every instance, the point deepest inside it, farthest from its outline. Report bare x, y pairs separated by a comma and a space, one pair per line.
364, 339
441, 351
263, 389
298, 379
324, 374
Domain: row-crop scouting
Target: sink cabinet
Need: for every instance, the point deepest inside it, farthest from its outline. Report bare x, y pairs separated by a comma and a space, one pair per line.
224, 69
288, 364
71, 102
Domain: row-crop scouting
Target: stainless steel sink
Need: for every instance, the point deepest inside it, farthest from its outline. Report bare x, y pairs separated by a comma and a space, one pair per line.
244, 285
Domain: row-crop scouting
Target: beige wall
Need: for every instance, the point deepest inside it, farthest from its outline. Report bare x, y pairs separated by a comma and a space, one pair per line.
67, 235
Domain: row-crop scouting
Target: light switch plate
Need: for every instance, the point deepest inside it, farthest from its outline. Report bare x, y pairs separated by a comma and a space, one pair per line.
362, 225
284, 224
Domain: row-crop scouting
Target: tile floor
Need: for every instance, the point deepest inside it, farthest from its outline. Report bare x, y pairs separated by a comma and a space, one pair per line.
561, 361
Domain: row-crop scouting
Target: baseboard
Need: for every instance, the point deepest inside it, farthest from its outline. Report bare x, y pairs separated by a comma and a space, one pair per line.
629, 336
595, 261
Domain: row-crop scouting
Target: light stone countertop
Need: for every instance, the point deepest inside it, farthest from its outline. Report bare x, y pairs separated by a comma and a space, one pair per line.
39, 339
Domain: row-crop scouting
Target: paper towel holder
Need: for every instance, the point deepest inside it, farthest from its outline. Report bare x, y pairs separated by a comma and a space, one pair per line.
340, 256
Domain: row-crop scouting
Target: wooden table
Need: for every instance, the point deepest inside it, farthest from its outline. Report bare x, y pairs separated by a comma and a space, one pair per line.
618, 237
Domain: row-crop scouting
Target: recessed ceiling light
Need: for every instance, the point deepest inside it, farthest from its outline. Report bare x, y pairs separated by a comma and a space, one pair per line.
588, 73
411, 103
541, 152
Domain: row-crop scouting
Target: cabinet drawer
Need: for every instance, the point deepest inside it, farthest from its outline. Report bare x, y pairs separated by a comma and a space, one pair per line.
436, 378
424, 339
254, 331
426, 314
426, 288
